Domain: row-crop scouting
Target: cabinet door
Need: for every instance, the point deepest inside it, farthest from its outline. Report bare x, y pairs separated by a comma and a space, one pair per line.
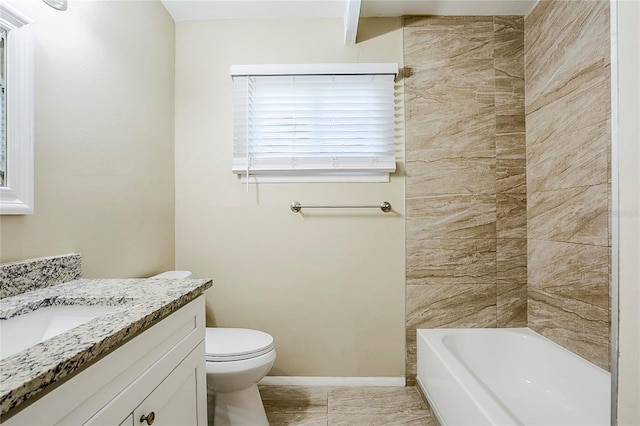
175, 401
128, 421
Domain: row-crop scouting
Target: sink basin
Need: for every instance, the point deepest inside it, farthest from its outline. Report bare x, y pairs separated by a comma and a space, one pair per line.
23, 331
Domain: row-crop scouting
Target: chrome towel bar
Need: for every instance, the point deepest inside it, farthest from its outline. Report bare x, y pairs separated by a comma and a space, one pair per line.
385, 206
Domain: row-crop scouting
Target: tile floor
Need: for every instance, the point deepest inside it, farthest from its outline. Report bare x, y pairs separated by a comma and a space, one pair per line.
336, 406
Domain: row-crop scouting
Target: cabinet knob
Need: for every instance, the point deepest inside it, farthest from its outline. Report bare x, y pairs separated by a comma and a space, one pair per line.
149, 418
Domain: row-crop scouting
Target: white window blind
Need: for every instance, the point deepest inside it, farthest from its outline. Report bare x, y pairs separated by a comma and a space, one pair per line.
308, 123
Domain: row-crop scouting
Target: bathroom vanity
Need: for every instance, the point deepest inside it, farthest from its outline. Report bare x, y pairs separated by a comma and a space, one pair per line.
140, 363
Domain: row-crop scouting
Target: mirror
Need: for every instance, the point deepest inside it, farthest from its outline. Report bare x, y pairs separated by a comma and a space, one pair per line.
3, 113
16, 115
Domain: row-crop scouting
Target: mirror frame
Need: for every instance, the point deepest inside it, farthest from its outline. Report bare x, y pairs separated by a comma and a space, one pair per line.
17, 197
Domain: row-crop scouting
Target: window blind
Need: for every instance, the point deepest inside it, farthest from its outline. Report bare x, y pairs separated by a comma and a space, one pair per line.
314, 124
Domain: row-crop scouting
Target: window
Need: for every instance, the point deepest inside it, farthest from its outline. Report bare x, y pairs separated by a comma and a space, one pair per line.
331, 122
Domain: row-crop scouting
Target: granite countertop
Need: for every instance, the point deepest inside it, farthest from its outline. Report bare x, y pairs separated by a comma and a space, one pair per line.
139, 303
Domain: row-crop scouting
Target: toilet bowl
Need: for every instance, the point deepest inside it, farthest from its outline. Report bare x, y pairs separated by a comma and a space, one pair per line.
236, 360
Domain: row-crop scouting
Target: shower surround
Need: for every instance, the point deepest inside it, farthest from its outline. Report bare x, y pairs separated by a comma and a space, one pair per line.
568, 103
466, 184
507, 228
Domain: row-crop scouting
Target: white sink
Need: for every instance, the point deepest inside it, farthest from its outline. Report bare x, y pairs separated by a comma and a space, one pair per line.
26, 330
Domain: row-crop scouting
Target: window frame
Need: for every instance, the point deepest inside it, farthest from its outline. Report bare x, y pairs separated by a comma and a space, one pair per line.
17, 197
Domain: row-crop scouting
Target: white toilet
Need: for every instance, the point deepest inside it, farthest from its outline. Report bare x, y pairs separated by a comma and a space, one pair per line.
236, 359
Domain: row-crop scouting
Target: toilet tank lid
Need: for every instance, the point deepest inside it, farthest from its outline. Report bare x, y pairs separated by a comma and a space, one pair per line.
173, 274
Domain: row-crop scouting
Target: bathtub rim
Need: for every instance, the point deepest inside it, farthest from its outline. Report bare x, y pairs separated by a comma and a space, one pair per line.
476, 393
493, 411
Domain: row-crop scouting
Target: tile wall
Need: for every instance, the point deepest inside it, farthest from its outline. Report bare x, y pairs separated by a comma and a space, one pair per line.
507, 228
568, 174
466, 184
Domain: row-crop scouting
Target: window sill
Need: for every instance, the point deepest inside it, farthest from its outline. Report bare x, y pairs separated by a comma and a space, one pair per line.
316, 178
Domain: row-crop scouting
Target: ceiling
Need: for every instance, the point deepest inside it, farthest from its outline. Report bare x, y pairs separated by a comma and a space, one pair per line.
195, 10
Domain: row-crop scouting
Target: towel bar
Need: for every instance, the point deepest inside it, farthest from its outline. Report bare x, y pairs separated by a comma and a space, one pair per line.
385, 206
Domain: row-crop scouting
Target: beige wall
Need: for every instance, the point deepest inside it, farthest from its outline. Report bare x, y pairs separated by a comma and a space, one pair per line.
629, 154
328, 285
466, 200
567, 70
104, 183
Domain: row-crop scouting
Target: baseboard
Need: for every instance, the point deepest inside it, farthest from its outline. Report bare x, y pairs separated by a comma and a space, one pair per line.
332, 381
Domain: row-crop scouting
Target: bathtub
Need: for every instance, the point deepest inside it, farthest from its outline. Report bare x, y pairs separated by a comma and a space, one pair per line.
508, 376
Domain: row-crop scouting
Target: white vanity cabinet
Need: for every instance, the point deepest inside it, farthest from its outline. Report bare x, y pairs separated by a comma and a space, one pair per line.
173, 402
158, 377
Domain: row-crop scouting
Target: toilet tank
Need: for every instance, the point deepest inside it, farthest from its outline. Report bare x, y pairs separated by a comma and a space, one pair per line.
173, 274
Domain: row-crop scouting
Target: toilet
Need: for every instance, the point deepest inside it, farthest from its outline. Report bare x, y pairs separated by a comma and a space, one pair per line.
236, 360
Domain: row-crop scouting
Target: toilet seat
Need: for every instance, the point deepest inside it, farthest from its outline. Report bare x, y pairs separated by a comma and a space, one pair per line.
235, 344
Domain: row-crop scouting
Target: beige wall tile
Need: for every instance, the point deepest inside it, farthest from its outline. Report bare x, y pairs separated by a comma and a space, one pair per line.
511, 176
451, 176
511, 280
580, 327
560, 169
450, 76
509, 95
565, 44
447, 37
511, 260
457, 306
442, 261
511, 305
509, 73
462, 137
451, 216
508, 48
440, 306
509, 124
467, 89
568, 174
466, 180
577, 215
511, 215
565, 158
570, 271
587, 96
511, 146
410, 356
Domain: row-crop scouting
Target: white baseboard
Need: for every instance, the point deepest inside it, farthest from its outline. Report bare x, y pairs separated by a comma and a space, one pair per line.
332, 381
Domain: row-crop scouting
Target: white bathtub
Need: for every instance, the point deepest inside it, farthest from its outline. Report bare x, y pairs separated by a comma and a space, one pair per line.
508, 376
